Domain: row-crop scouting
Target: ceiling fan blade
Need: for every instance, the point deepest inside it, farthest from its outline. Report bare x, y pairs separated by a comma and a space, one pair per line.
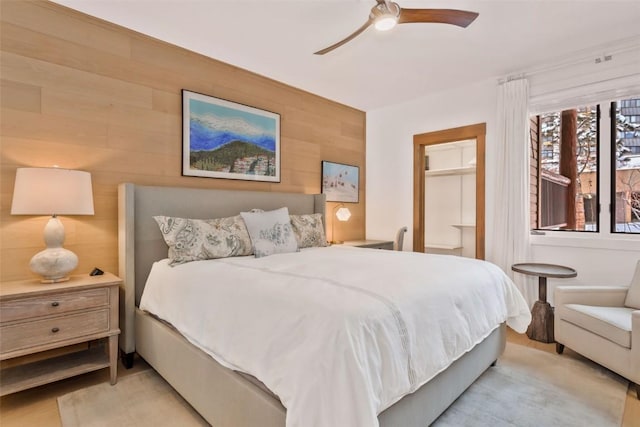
348, 39
461, 18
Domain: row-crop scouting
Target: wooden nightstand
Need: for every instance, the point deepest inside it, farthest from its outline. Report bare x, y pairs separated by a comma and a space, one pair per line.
35, 317
372, 244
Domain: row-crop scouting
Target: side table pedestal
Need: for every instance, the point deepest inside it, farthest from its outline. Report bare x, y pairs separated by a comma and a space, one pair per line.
541, 327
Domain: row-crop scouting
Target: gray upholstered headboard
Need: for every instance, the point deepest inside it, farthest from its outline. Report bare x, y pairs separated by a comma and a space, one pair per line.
140, 242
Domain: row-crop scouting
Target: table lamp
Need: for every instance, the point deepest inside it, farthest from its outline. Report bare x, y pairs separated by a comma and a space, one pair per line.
343, 214
52, 191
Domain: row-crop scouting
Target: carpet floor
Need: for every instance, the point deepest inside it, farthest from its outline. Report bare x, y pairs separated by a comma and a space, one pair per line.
526, 388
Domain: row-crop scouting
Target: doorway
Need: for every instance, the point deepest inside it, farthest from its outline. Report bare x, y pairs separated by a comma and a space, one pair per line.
475, 133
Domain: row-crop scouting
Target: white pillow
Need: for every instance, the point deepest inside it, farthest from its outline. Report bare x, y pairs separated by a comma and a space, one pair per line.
633, 295
270, 232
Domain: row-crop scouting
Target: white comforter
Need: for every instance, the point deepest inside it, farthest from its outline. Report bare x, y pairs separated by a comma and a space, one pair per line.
338, 333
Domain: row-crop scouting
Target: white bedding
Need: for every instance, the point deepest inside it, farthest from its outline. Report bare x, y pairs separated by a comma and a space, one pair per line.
338, 333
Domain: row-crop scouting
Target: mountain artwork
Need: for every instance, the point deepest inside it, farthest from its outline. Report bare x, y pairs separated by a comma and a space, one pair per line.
223, 139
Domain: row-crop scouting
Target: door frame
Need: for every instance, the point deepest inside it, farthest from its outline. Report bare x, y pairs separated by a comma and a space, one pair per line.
420, 141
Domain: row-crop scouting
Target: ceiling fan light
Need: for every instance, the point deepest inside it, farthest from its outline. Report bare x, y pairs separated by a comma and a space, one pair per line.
385, 23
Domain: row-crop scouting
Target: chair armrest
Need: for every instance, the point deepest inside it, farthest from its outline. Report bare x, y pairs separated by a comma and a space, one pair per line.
635, 346
610, 296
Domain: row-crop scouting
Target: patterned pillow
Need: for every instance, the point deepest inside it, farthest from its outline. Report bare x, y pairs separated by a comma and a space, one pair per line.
309, 230
270, 232
198, 239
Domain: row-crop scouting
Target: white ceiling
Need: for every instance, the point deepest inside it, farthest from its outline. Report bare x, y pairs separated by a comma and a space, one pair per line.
277, 39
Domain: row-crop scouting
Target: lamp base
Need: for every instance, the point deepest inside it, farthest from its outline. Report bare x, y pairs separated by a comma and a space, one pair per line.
50, 281
53, 264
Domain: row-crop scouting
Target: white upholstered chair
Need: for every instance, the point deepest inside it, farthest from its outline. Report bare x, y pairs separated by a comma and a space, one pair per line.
603, 324
397, 244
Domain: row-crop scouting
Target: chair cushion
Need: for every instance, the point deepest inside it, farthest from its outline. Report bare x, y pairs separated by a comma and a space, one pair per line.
612, 323
633, 296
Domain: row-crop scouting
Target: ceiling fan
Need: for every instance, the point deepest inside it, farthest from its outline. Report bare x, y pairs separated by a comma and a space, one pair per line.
386, 14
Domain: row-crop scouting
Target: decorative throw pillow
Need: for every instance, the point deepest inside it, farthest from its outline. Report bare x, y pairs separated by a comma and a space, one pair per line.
633, 295
270, 232
309, 230
198, 239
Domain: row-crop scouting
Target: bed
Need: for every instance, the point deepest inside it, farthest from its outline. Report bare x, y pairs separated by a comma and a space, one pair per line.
228, 397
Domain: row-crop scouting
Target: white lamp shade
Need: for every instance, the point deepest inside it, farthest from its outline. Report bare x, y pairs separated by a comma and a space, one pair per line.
343, 214
52, 191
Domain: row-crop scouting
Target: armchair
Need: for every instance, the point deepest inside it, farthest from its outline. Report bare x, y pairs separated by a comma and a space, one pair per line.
603, 324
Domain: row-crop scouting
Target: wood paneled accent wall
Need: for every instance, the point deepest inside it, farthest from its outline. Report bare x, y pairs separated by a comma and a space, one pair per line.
82, 93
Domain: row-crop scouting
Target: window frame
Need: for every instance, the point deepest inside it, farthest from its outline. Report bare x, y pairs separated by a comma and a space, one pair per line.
604, 238
613, 121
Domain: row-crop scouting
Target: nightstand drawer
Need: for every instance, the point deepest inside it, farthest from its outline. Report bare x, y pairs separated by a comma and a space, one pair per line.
46, 305
23, 335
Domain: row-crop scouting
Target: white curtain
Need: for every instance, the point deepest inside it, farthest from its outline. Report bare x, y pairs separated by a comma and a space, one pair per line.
511, 226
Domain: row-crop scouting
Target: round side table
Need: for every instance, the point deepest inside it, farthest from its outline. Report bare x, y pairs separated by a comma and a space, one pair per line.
541, 327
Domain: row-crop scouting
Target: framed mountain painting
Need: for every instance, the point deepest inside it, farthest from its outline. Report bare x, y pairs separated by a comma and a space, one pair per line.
224, 139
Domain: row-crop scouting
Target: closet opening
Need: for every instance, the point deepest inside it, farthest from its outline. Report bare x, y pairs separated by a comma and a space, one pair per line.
449, 193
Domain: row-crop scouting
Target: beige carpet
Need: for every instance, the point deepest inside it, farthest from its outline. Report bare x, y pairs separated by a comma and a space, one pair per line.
527, 388
139, 400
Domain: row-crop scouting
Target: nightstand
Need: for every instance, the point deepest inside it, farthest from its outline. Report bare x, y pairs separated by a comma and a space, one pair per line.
36, 317
372, 244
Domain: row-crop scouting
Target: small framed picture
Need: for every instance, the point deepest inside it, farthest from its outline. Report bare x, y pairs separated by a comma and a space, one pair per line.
340, 182
224, 139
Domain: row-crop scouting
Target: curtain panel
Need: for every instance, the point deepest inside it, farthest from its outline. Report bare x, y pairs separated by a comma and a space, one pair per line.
511, 220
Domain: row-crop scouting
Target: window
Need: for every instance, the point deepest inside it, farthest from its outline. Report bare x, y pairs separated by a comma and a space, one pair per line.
566, 172
567, 181
625, 178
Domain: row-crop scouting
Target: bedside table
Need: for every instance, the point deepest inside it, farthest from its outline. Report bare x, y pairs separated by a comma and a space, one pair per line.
372, 244
35, 317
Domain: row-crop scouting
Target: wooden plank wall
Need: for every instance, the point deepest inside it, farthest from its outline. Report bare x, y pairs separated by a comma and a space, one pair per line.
85, 94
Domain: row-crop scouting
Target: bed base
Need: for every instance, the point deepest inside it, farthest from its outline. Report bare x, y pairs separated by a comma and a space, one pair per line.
227, 399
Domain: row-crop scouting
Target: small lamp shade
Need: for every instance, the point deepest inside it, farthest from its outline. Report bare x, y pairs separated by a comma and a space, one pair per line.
52, 191
343, 214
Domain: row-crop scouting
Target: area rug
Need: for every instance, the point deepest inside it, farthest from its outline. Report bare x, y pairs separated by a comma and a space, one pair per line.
533, 388
526, 388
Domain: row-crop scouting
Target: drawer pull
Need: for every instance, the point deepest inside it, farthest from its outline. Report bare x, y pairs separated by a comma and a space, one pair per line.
55, 304
54, 330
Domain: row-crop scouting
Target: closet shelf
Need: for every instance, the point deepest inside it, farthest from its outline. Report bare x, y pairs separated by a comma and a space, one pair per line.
448, 247
452, 171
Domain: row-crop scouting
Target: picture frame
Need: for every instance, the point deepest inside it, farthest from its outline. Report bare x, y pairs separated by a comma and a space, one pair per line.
340, 182
224, 139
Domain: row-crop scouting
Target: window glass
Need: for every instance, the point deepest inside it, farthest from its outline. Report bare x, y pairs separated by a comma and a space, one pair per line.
626, 166
568, 175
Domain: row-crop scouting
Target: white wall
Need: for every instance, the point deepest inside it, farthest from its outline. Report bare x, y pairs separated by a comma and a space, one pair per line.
390, 133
